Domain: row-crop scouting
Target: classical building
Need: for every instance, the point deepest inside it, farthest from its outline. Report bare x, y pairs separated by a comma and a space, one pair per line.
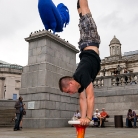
118, 62
116, 86
10, 80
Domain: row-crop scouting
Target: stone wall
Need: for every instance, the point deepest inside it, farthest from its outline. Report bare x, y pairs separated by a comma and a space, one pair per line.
7, 104
116, 99
50, 58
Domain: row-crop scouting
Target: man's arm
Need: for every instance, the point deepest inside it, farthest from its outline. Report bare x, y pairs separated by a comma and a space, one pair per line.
83, 104
90, 100
84, 7
87, 105
133, 114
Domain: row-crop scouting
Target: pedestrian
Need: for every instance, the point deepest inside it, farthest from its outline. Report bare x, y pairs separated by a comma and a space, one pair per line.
19, 113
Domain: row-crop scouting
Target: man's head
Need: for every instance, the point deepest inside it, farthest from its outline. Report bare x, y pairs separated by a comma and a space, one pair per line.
97, 110
103, 109
20, 99
68, 85
130, 110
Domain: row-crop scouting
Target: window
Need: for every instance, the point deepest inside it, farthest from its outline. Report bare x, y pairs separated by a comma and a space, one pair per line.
14, 96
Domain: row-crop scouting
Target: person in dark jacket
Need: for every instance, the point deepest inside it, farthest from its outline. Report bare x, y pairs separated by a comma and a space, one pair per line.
131, 115
19, 113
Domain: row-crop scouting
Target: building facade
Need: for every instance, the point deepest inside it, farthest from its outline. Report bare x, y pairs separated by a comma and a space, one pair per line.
117, 62
10, 80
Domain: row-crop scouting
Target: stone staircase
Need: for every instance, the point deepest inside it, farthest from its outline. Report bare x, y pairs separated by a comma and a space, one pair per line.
6, 116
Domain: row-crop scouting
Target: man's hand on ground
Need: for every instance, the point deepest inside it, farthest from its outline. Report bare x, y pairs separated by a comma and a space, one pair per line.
84, 121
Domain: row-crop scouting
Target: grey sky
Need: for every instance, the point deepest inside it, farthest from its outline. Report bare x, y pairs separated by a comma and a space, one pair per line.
18, 18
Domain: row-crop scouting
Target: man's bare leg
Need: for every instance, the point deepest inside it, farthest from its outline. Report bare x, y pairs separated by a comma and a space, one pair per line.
101, 121
79, 9
84, 8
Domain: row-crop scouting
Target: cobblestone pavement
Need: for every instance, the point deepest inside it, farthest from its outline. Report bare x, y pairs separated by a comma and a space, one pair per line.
69, 132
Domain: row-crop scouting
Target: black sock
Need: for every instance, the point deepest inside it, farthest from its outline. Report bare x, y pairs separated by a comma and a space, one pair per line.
78, 5
80, 14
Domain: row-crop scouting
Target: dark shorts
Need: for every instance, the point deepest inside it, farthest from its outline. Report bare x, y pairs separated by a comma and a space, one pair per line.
88, 32
90, 62
87, 69
95, 119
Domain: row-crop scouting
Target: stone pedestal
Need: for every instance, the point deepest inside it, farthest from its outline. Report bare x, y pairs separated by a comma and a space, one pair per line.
50, 58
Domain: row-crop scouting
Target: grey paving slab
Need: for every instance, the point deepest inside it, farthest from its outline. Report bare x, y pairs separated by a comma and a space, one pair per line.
70, 132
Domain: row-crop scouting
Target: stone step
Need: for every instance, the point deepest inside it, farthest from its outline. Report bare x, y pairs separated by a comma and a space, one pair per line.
5, 125
112, 119
7, 110
6, 116
5, 122
6, 119
108, 124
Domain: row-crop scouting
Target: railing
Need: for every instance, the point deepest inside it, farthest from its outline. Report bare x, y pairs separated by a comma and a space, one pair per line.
11, 66
116, 80
99, 82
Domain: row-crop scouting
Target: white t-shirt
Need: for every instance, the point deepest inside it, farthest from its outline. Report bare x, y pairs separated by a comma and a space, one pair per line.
95, 115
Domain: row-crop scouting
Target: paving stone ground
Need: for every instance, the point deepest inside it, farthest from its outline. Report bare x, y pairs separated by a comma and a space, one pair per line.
69, 132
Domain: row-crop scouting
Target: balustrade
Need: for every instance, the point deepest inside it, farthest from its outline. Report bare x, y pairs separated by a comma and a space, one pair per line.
99, 82
117, 80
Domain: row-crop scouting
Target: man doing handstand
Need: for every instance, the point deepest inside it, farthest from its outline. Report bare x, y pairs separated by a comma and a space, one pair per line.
88, 67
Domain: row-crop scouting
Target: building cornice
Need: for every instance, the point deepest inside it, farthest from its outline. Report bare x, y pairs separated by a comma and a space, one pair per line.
11, 71
45, 33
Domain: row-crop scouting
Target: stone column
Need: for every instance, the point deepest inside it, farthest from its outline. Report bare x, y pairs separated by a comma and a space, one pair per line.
107, 82
2, 91
50, 58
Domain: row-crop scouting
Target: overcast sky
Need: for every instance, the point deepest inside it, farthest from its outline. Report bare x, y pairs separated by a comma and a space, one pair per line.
18, 18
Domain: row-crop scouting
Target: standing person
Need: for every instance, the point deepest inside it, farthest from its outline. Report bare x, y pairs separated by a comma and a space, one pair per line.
19, 113
89, 66
131, 115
